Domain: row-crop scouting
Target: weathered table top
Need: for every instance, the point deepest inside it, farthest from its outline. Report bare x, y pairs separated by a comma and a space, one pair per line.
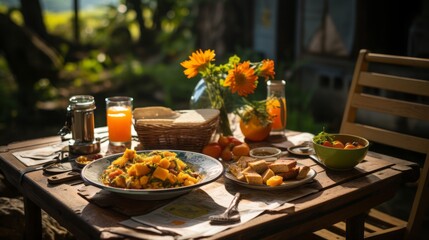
339, 196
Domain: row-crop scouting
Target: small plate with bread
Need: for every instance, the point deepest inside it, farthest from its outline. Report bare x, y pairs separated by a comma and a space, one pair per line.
269, 174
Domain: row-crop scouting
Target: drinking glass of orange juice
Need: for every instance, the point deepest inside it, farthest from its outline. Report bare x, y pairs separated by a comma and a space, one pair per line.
276, 105
119, 120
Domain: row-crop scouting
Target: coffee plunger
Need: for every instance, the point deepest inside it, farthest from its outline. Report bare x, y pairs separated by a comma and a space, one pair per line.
80, 122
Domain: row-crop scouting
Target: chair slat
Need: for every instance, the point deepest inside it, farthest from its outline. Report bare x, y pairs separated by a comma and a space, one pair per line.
387, 234
391, 106
372, 228
386, 218
387, 137
397, 60
341, 226
394, 83
325, 234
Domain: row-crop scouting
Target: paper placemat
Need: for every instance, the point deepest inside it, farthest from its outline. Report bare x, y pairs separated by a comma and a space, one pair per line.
188, 215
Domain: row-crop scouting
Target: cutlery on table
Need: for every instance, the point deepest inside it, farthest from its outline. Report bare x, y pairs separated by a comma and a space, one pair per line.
231, 214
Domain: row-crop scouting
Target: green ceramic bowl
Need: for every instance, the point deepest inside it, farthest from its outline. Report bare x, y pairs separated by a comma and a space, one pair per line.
342, 159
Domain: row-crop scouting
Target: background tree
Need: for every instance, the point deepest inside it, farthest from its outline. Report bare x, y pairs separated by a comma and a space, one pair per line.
33, 18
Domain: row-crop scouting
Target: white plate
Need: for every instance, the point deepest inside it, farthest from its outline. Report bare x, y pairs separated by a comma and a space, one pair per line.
287, 184
210, 168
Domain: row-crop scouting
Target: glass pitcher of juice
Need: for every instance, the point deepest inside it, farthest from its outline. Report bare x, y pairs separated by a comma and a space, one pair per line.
276, 105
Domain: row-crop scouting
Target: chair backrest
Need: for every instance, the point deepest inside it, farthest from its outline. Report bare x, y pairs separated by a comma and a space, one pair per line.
388, 104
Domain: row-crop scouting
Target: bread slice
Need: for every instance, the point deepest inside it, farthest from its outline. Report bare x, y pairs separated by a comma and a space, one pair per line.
267, 175
155, 112
282, 165
243, 161
166, 116
259, 166
248, 170
303, 171
234, 169
291, 174
195, 117
253, 178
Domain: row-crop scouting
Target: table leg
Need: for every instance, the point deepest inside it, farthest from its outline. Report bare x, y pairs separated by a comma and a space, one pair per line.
33, 220
355, 227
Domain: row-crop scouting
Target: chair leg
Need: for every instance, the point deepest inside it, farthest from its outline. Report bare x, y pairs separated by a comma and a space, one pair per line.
33, 220
355, 227
420, 205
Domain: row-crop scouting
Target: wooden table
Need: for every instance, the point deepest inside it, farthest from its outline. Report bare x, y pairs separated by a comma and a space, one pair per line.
340, 195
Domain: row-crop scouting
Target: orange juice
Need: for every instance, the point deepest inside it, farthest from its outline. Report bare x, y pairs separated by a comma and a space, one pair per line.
119, 121
279, 115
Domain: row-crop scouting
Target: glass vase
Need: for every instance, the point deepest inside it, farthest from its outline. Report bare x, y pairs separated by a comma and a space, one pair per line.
212, 96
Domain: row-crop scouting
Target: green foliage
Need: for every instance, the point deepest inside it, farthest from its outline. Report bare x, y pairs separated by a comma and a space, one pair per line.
323, 136
299, 109
8, 102
175, 86
116, 57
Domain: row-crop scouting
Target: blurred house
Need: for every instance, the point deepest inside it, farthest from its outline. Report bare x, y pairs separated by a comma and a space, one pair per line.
323, 38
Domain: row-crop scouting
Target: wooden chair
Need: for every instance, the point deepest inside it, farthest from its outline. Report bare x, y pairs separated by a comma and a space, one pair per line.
399, 97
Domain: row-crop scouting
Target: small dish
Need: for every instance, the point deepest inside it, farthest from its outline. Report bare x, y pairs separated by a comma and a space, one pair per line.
84, 160
265, 152
302, 150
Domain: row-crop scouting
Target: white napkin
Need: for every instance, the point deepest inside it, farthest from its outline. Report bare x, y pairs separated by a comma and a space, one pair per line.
300, 138
41, 155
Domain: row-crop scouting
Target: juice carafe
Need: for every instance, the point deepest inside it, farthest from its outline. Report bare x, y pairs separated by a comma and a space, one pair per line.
276, 104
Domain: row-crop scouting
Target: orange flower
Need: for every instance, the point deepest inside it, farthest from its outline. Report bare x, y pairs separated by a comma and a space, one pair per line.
198, 61
241, 79
267, 69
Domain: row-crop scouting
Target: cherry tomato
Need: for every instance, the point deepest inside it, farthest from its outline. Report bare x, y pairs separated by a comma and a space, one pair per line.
349, 146
115, 173
337, 144
327, 143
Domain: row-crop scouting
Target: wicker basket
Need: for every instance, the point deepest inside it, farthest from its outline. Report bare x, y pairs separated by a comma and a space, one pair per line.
191, 131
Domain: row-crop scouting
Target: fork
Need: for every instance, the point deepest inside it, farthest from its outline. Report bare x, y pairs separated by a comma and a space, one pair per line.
231, 214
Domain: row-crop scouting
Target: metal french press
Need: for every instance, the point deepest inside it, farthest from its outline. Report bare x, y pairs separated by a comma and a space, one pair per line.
80, 122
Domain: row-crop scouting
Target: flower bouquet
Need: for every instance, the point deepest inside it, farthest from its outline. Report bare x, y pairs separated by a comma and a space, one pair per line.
234, 77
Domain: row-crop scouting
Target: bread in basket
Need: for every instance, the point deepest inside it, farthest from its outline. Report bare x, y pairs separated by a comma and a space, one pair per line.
162, 128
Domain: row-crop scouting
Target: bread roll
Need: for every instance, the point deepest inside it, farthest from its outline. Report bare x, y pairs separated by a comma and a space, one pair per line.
253, 178
259, 166
282, 165
303, 171
291, 174
267, 175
